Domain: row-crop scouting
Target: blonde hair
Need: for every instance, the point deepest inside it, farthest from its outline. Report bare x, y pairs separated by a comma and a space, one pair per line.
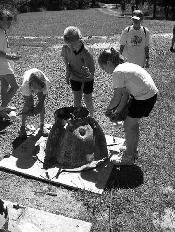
72, 34
110, 55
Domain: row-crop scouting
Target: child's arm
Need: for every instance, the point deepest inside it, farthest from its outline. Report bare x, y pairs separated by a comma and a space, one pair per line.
38, 108
66, 62
28, 108
119, 100
123, 40
146, 57
122, 48
115, 99
9, 56
147, 44
172, 44
88, 69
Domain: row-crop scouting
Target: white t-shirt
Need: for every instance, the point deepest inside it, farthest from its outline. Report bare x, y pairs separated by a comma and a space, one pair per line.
135, 79
25, 88
135, 42
6, 66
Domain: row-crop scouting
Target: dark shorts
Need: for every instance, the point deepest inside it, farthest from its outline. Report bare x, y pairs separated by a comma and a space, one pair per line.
141, 108
87, 88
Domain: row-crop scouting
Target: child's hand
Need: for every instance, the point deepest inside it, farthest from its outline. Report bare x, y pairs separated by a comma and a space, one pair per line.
68, 77
85, 71
147, 64
13, 56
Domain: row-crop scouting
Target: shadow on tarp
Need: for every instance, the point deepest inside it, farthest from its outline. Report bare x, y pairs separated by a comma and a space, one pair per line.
125, 177
98, 175
24, 150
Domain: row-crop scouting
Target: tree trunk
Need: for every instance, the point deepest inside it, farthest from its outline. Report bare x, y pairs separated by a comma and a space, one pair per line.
154, 9
173, 10
93, 3
167, 7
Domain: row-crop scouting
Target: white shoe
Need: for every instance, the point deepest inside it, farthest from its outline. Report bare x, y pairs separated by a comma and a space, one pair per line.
10, 108
7, 108
118, 124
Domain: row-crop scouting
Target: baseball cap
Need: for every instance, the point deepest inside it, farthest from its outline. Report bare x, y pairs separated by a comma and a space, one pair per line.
137, 15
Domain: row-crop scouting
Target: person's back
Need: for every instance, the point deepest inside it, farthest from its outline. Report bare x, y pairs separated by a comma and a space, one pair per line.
137, 80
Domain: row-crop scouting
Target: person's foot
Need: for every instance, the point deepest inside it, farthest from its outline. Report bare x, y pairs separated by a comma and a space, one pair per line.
123, 159
22, 132
118, 124
7, 108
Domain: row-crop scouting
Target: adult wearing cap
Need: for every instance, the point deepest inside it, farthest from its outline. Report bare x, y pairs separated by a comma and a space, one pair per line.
134, 41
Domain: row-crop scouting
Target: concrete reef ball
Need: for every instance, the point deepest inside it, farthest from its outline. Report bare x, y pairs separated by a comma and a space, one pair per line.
75, 139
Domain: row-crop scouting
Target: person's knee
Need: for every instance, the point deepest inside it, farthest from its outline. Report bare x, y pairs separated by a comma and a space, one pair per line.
88, 97
77, 97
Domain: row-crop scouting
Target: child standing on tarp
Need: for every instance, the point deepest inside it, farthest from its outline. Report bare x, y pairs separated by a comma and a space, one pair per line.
80, 67
34, 83
173, 41
9, 85
129, 80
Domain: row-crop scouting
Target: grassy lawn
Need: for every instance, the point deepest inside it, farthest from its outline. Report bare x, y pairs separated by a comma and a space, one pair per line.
132, 208
91, 22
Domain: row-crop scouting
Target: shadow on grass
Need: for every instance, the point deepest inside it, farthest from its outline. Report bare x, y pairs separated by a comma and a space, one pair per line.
125, 177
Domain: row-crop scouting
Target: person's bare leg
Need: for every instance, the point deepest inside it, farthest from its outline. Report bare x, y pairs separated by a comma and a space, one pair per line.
77, 98
131, 128
89, 103
42, 115
8, 89
4, 89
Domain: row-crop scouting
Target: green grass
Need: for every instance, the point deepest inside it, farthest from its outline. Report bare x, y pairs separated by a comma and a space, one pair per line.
132, 209
91, 22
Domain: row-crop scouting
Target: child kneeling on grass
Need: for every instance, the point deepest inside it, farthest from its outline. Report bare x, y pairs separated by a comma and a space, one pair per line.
80, 67
134, 82
34, 82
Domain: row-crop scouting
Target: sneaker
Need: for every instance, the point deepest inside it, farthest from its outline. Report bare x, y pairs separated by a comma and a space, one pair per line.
7, 108
125, 160
136, 156
10, 108
118, 124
